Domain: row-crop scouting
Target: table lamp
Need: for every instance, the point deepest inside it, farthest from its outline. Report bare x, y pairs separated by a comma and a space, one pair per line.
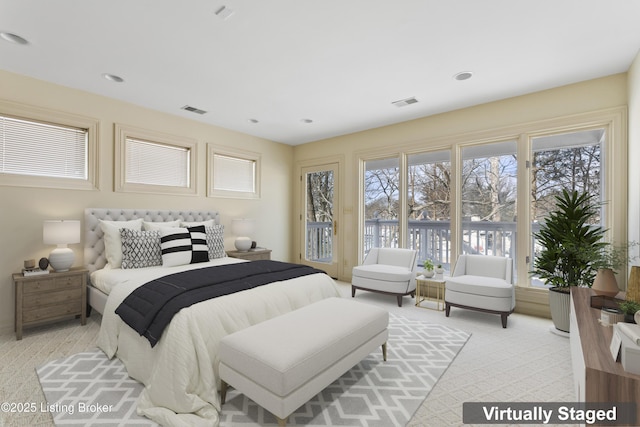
61, 233
242, 228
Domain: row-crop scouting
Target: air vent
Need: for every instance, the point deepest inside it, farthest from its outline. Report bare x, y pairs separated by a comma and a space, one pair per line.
194, 109
405, 102
224, 13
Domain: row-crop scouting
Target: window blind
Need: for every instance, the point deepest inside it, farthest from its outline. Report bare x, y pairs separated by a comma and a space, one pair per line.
156, 164
234, 174
42, 149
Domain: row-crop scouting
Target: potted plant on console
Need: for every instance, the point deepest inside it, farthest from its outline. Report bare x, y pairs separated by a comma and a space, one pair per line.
570, 246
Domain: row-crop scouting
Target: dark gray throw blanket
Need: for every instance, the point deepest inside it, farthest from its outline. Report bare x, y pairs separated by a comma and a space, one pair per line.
150, 308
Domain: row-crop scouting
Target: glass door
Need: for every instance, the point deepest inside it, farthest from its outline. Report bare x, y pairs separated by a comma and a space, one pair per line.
320, 218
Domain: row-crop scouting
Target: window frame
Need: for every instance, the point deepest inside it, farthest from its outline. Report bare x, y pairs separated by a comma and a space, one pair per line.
56, 118
614, 186
123, 132
214, 150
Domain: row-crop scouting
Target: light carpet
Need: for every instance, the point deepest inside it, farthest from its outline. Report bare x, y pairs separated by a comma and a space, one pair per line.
373, 393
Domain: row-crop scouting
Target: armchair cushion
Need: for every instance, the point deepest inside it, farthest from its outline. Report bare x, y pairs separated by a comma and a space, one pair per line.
387, 273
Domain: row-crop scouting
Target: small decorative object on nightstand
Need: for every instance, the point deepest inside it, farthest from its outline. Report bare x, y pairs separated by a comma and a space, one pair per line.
48, 298
242, 228
251, 255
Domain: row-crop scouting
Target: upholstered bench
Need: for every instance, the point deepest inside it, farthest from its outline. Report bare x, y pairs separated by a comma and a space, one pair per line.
283, 362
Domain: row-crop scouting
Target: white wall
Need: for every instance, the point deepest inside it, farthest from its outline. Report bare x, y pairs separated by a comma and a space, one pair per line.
22, 210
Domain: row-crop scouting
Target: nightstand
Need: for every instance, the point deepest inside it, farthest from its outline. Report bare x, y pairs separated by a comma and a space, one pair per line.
50, 297
252, 254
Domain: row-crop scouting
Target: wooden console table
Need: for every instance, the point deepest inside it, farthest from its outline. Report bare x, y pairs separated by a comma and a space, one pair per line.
597, 377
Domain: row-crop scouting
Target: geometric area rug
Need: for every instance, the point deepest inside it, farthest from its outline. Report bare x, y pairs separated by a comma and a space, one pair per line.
373, 393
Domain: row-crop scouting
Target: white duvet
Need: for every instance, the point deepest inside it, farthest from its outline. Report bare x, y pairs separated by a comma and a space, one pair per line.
180, 373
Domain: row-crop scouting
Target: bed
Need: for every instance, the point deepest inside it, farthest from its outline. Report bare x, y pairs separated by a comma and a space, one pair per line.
180, 373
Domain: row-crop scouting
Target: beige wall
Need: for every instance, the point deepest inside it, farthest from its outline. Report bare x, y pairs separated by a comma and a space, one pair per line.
22, 210
633, 77
488, 119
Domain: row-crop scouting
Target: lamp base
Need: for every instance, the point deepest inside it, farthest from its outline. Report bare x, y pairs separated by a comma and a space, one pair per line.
243, 244
61, 259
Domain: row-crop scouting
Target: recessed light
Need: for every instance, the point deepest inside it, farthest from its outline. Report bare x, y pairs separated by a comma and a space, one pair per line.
13, 38
253, 121
306, 120
463, 75
113, 78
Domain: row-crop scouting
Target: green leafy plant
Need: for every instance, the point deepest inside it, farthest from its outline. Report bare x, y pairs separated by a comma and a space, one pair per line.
613, 257
629, 307
571, 244
428, 265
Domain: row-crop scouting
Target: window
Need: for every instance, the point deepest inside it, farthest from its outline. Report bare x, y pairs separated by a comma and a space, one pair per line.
233, 173
46, 149
381, 204
571, 161
429, 206
151, 162
487, 193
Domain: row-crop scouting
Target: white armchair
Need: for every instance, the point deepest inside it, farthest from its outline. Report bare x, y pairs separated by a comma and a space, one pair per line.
388, 271
481, 283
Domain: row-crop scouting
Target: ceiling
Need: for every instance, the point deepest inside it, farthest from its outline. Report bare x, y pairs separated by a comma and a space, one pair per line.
274, 65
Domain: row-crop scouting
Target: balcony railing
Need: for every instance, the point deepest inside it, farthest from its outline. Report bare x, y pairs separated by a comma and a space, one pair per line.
432, 239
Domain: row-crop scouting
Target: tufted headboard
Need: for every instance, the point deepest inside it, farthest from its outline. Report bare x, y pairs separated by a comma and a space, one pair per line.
94, 256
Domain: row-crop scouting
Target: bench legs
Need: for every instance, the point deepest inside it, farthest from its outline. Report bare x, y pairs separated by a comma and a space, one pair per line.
281, 422
384, 352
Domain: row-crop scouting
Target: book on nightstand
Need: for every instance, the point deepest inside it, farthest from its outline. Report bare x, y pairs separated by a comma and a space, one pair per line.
33, 272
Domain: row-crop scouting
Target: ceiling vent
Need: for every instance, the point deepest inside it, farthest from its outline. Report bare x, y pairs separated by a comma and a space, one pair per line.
224, 13
405, 102
194, 109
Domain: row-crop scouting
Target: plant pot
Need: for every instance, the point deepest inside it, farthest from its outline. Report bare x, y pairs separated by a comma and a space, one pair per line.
605, 283
428, 273
559, 300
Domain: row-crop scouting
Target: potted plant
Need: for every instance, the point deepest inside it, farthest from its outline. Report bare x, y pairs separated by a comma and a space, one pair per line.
607, 260
428, 268
629, 308
570, 243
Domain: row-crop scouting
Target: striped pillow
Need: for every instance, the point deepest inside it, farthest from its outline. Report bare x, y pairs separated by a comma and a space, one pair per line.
182, 246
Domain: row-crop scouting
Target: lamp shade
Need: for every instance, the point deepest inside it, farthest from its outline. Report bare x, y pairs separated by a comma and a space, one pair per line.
242, 228
61, 233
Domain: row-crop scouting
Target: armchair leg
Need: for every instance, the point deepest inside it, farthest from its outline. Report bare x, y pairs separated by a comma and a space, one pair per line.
447, 309
399, 300
504, 319
353, 292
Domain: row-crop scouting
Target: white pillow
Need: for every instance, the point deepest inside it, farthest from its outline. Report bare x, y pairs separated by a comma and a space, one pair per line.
149, 225
207, 223
113, 241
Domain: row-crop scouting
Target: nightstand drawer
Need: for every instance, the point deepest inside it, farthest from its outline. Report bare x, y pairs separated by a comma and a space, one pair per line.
52, 284
51, 312
52, 298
